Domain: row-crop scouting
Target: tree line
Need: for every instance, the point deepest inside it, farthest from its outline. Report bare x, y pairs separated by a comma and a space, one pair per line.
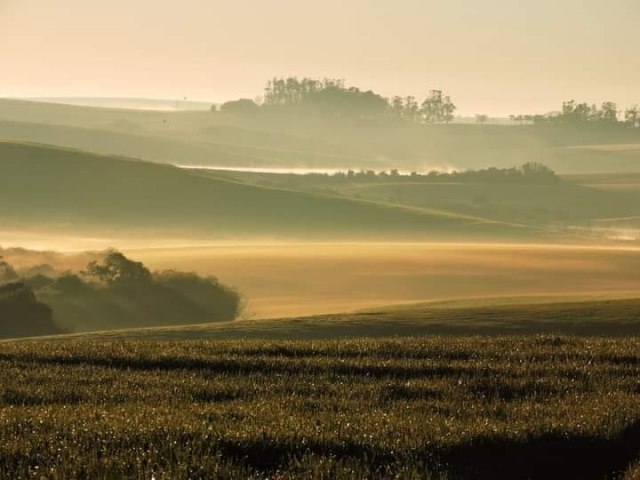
530, 172
331, 97
582, 113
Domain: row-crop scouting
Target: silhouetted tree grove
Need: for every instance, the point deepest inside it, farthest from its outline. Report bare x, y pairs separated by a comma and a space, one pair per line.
324, 96
331, 97
632, 117
437, 108
581, 113
116, 269
531, 172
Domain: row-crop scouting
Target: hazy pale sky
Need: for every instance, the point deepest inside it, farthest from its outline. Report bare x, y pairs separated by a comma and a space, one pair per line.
492, 56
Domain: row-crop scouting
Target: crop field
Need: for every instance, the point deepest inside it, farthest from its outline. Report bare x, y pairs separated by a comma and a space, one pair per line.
295, 279
431, 407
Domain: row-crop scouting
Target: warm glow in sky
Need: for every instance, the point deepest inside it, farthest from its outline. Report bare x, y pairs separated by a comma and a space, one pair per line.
492, 56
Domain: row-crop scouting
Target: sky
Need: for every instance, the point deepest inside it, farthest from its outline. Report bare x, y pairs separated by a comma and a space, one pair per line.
497, 57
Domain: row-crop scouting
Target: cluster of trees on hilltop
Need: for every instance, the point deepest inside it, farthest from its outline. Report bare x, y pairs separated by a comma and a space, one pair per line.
114, 292
331, 97
576, 113
435, 108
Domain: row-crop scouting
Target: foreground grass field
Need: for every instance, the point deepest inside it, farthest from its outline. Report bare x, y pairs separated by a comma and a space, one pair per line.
436, 407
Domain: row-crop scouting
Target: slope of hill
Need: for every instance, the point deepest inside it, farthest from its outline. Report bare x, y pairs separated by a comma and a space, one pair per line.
220, 147
572, 201
70, 190
525, 203
132, 103
587, 317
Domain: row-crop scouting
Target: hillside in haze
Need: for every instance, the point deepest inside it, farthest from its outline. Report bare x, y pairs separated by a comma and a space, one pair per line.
54, 189
497, 194
128, 103
47, 188
285, 140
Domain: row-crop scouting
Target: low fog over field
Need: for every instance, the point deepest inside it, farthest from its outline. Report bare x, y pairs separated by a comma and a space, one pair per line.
291, 279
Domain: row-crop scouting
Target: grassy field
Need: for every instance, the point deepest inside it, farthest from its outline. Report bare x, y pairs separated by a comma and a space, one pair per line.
296, 279
516, 407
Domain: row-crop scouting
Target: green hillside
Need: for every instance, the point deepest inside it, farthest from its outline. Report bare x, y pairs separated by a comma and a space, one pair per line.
48, 187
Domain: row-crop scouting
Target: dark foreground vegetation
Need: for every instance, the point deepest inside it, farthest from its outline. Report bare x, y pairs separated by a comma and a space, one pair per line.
113, 292
435, 407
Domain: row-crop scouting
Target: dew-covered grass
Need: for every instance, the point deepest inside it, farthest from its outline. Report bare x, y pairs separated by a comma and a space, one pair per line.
431, 407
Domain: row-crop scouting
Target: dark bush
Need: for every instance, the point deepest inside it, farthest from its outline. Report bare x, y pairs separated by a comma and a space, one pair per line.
117, 292
207, 292
21, 314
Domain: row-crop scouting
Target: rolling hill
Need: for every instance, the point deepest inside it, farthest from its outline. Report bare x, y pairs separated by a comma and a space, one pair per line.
218, 146
610, 317
73, 191
310, 141
579, 200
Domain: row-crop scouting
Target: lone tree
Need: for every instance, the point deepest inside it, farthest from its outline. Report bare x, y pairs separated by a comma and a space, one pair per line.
116, 269
437, 108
